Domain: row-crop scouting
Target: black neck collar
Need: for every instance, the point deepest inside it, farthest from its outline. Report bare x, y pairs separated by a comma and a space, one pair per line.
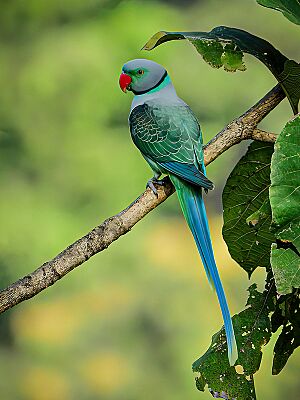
153, 87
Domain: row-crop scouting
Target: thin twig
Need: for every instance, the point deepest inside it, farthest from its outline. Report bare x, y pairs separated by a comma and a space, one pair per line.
244, 127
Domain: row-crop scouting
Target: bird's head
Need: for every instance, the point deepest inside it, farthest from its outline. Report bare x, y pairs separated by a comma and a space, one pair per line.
141, 75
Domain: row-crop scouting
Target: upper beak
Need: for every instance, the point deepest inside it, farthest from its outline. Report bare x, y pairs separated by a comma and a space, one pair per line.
124, 81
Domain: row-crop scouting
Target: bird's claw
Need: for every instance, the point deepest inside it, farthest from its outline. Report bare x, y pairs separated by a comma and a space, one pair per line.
151, 182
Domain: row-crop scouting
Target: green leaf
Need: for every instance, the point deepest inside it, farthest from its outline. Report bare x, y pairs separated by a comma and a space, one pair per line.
261, 214
211, 52
285, 204
286, 268
247, 215
287, 313
232, 58
253, 330
225, 47
290, 81
289, 8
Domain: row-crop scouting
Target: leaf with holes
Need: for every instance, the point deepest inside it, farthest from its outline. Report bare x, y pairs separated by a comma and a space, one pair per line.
287, 313
253, 330
285, 204
289, 8
225, 47
247, 214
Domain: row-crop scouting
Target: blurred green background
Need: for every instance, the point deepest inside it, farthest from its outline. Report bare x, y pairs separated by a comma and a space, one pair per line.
129, 323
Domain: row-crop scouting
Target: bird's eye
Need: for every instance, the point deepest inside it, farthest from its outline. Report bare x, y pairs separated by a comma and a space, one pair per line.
140, 71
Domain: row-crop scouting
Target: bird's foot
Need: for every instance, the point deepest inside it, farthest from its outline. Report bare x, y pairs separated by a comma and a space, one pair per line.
151, 182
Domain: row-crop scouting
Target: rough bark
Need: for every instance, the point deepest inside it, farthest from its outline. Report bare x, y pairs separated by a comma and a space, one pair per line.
242, 128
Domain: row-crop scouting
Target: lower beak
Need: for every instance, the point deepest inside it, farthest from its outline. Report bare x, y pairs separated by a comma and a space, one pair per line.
124, 81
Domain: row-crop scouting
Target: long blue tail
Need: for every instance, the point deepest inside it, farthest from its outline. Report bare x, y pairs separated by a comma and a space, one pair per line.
192, 204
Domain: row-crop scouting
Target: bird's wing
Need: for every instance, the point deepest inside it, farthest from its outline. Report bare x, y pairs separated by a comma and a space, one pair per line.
171, 137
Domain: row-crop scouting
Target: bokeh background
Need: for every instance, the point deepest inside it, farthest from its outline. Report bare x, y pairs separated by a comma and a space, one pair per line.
129, 323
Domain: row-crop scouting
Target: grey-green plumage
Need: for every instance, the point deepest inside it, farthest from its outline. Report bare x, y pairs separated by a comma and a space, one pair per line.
169, 134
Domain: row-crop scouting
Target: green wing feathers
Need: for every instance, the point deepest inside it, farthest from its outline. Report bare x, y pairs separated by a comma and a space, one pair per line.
167, 133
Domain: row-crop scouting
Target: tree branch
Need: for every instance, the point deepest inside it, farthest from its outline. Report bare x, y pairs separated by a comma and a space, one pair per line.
244, 127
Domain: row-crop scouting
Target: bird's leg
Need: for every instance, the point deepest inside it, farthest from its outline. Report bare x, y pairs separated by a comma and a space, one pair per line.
155, 180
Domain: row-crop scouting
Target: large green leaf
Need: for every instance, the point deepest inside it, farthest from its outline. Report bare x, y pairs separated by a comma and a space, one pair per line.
289, 8
225, 47
253, 330
285, 204
247, 214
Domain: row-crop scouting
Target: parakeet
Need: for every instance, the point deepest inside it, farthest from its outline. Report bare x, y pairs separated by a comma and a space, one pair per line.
168, 135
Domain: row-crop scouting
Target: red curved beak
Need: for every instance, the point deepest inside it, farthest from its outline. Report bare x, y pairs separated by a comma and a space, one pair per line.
124, 81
